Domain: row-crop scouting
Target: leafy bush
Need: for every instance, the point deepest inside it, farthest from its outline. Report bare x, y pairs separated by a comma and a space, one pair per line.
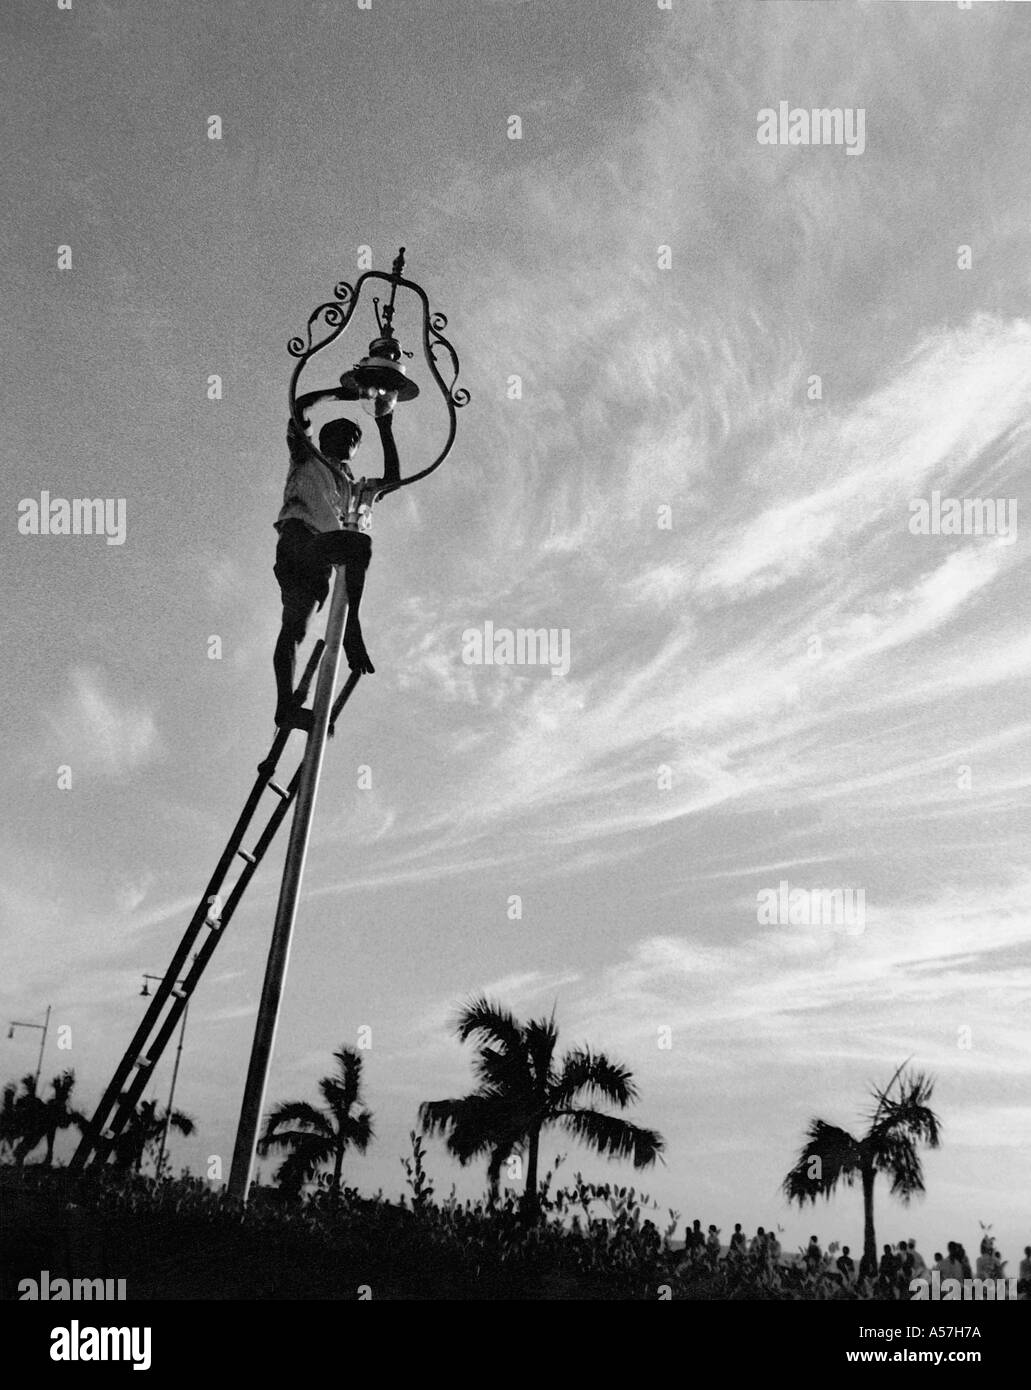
181, 1238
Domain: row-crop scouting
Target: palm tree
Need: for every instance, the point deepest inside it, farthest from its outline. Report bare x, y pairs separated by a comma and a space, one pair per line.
897, 1125
26, 1121
144, 1132
57, 1113
522, 1091
310, 1136
23, 1123
14, 1116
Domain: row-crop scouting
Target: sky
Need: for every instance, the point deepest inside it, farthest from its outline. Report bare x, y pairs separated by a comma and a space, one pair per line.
713, 381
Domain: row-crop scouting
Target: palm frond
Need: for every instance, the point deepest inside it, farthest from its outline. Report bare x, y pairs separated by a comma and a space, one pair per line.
830, 1155
357, 1131
298, 1141
179, 1120
502, 1071
491, 1022
910, 1111
297, 1112
881, 1096
584, 1071
62, 1087
343, 1091
540, 1038
613, 1136
468, 1124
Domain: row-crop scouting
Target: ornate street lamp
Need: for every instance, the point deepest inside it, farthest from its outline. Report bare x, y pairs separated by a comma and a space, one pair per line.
378, 378
44, 1027
381, 374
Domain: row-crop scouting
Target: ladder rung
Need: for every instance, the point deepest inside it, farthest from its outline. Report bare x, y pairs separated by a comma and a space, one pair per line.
178, 992
279, 791
245, 855
143, 1062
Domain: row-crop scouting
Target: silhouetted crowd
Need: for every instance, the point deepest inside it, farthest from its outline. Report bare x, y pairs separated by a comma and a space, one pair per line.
762, 1258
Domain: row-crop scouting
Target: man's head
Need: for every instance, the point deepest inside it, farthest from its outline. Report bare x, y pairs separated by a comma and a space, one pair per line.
339, 439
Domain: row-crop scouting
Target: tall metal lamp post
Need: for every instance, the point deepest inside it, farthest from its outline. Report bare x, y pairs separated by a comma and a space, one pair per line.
145, 993
379, 378
44, 1026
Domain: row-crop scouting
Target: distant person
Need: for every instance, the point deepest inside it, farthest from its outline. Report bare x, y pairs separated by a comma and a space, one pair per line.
694, 1241
712, 1246
936, 1268
905, 1263
738, 1245
757, 1248
772, 1250
961, 1255
813, 1256
887, 1273
952, 1266
1024, 1283
846, 1266
919, 1264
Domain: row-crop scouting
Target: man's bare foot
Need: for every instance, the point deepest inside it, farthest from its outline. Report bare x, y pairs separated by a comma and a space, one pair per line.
354, 649
295, 717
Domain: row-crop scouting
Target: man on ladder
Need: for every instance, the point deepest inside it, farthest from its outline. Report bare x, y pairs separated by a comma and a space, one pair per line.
324, 521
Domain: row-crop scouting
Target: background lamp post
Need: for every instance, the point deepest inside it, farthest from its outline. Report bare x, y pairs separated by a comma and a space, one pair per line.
45, 1025
379, 376
145, 993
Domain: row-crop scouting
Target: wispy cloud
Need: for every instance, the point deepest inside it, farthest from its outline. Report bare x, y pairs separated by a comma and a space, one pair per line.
771, 676
92, 731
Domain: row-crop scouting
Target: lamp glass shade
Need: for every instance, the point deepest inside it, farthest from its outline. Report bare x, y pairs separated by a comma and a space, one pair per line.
378, 401
378, 373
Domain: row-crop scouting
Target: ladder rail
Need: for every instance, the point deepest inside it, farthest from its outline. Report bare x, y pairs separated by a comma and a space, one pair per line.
130, 1097
93, 1136
341, 700
137, 1085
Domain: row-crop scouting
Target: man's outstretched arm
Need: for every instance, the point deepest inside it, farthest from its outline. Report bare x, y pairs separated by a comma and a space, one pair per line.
305, 402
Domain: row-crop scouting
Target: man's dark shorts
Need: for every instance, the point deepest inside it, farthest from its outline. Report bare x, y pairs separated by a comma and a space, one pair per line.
304, 564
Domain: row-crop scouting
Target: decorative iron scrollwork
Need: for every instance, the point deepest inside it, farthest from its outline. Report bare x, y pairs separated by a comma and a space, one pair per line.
329, 320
